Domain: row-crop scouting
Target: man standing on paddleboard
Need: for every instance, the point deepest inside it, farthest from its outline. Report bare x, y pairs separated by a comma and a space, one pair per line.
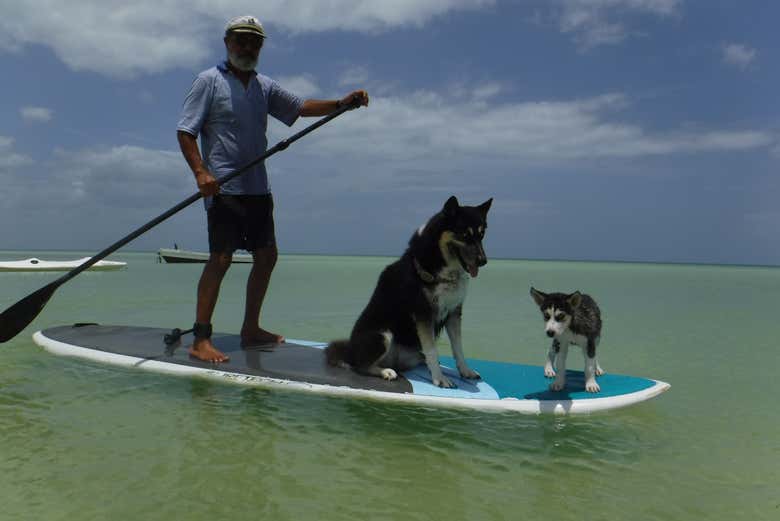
228, 107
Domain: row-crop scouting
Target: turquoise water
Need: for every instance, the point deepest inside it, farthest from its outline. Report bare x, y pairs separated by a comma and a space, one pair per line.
79, 440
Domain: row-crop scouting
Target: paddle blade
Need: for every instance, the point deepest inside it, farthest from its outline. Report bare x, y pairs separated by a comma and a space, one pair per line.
19, 316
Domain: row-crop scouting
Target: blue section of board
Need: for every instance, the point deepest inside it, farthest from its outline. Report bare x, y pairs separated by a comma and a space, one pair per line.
528, 382
513, 381
420, 378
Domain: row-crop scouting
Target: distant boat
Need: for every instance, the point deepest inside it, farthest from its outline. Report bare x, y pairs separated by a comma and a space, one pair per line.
177, 256
34, 264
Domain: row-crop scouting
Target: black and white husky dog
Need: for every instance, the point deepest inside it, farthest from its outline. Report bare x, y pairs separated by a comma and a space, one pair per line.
417, 296
570, 319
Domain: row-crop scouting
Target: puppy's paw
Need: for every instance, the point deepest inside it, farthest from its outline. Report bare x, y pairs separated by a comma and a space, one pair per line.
558, 385
443, 381
468, 373
592, 387
389, 374
549, 372
599, 371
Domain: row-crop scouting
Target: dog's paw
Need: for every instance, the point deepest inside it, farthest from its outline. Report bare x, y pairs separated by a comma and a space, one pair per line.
443, 381
558, 385
592, 387
599, 371
549, 372
389, 374
469, 373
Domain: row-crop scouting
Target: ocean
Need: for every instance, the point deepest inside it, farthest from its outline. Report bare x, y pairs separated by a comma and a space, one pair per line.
80, 440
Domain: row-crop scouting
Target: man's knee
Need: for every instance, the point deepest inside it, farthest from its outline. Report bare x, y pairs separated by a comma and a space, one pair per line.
266, 257
220, 261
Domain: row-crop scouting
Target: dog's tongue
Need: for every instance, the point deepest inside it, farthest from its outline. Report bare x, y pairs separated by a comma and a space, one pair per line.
473, 271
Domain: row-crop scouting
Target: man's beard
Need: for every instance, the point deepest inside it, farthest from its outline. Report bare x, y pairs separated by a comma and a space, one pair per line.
242, 63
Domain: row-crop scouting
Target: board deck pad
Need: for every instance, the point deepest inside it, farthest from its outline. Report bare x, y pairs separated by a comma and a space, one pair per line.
301, 365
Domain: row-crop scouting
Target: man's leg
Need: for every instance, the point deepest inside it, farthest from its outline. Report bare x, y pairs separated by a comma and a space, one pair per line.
256, 287
208, 292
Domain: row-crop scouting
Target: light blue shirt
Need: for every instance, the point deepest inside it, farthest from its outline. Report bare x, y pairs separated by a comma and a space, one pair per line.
232, 121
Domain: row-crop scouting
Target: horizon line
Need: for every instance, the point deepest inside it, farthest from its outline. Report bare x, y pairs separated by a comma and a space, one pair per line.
525, 259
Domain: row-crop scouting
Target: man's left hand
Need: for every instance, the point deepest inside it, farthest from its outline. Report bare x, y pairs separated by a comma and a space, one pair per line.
358, 98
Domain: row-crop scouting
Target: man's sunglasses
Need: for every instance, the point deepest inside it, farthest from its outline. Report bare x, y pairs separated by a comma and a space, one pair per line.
246, 40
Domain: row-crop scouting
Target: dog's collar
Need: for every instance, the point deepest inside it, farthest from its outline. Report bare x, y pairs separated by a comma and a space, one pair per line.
424, 275
427, 277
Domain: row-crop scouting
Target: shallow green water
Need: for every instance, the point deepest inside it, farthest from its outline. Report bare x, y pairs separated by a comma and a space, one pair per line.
84, 441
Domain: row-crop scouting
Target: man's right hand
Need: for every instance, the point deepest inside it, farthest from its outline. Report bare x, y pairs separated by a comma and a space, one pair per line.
207, 183
188, 143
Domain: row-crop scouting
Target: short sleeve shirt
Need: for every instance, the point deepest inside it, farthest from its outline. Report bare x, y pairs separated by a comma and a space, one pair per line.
232, 120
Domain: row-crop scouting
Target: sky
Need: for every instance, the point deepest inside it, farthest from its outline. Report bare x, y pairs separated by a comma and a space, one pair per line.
629, 130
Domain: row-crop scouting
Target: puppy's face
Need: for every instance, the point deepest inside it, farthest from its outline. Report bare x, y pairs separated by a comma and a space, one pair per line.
464, 229
557, 310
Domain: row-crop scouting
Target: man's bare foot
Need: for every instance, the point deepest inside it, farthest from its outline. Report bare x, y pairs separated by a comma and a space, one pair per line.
203, 349
259, 336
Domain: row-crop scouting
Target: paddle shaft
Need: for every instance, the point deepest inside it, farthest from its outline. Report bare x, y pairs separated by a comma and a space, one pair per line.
194, 197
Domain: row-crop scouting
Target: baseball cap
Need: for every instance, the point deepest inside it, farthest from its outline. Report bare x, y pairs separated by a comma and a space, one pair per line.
245, 24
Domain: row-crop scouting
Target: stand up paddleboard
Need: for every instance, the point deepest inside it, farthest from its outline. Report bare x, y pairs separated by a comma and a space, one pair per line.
300, 365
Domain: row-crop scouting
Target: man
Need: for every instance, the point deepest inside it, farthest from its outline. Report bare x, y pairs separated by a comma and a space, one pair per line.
228, 106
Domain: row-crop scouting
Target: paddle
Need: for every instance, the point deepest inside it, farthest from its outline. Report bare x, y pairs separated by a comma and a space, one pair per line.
18, 316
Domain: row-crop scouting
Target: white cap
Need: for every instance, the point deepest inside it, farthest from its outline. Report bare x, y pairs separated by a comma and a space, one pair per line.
245, 24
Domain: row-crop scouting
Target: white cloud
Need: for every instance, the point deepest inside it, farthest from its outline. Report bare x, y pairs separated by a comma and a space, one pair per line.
420, 141
738, 55
353, 77
12, 177
360, 77
120, 177
303, 86
602, 22
434, 132
487, 91
36, 114
124, 39
8, 157
103, 192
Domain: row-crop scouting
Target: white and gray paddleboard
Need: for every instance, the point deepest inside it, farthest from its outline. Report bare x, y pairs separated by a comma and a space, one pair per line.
300, 365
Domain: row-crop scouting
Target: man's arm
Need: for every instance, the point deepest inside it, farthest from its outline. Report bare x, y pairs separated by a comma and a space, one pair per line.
313, 107
188, 143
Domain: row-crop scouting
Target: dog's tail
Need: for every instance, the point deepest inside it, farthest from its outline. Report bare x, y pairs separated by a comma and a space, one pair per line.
336, 353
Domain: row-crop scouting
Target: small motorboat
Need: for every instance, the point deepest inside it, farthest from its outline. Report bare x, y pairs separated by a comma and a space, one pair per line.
177, 256
33, 264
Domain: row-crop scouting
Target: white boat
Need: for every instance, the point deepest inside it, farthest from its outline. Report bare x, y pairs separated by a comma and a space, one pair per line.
176, 256
33, 264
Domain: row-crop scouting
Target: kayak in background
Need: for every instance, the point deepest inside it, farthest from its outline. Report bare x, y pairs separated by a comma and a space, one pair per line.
33, 264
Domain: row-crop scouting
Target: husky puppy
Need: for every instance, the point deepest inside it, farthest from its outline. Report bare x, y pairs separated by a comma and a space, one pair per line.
417, 296
570, 319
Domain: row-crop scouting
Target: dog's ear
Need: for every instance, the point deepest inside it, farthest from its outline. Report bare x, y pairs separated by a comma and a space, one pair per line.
484, 207
451, 206
575, 299
538, 296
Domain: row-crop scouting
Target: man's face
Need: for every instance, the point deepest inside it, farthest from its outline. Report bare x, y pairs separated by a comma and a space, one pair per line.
243, 50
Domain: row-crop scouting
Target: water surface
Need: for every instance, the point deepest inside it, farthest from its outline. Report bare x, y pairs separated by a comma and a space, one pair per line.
79, 440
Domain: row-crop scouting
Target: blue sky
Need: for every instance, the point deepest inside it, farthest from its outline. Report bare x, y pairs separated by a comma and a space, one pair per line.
641, 130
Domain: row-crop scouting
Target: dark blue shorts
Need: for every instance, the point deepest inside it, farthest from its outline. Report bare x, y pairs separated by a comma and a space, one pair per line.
241, 222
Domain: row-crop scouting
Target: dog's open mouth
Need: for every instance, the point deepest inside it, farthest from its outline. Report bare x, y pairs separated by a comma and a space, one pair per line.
472, 269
